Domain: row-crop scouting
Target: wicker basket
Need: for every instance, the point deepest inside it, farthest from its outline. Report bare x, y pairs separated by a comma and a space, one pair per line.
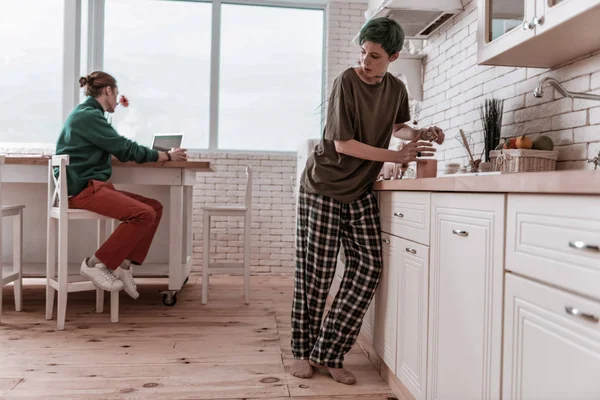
523, 160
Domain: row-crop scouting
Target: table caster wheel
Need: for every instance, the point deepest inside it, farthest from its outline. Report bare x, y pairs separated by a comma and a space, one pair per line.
169, 299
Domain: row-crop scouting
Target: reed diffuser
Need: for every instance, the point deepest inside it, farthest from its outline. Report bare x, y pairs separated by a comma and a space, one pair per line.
491, 119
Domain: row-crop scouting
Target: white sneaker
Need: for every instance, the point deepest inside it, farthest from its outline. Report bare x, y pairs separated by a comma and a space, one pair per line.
101, 276
126, 276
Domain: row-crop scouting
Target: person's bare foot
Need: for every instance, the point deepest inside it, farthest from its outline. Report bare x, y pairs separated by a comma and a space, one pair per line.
340, 375
301, 369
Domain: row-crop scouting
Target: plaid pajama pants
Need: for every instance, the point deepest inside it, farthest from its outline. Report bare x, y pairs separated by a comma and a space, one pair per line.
322, 224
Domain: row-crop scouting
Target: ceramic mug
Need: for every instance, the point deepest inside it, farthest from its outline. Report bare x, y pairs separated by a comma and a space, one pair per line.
427, 170
388, 170
485, 167
451, 168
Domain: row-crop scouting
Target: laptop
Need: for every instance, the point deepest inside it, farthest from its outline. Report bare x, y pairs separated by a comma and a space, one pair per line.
167, 141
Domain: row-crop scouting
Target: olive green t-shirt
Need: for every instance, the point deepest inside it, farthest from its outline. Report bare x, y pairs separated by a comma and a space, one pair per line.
363, 112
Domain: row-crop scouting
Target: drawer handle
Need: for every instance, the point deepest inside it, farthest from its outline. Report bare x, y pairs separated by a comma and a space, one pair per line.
577, 313
584, 246
460, 233
386, 241
398, 215
411, 251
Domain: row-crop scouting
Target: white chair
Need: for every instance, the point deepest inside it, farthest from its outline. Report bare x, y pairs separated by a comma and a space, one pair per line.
16, 275
244, 211
59, 215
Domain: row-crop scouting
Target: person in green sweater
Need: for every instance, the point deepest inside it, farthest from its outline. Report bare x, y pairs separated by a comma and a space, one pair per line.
90, 142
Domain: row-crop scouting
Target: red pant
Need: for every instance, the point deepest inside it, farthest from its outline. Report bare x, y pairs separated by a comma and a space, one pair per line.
139, 218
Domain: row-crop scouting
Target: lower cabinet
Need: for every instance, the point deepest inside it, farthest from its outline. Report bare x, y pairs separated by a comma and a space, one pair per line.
386, 303
465, 296
551, 343
453, 322
411, 331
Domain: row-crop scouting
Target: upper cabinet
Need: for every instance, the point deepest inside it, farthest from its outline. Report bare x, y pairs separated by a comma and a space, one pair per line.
503, 26
537, 33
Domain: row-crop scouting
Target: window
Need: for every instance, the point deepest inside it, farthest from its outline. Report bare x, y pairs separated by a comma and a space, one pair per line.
159, 52
31, 61
271, 77
267, 94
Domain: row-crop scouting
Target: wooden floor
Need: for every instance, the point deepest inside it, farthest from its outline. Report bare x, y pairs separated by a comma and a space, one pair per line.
224, 350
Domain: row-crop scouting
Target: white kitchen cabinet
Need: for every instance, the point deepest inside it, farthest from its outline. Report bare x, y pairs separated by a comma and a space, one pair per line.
368, 324
553, 13
465, 301
555, 239
341, 263
551, 343
501, 27
413, 293
460, 333
536, 33
406, 215
339, 273
386, 304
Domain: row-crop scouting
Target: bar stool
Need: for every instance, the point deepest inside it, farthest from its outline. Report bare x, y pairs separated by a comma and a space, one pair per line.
244, 211
16, 276
59, 215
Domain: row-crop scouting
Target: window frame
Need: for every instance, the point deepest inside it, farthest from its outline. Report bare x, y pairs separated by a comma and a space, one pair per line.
95, 56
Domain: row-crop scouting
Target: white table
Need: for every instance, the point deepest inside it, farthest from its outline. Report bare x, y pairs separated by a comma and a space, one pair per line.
25, 182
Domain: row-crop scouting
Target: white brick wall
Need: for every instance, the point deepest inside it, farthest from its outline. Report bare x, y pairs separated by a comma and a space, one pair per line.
344, 20
273, 210
453, 77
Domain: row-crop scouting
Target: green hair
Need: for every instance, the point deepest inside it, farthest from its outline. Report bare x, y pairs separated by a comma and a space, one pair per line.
384, 31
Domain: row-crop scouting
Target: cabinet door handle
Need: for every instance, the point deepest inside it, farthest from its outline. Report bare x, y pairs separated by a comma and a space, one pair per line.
411, 251
386, 241
460, 233
584, 246
537, 21
577, 313
398, 215
526, 25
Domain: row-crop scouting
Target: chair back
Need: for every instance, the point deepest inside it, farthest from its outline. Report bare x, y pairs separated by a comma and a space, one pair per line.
57, 185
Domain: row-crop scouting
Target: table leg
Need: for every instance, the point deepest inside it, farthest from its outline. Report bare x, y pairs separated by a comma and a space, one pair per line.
176, 207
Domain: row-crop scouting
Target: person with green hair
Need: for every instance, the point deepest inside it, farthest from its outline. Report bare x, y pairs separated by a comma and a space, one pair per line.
336, 204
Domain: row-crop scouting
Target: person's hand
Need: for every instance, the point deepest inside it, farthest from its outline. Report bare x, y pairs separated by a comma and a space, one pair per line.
432, 134
178, 154
413, 150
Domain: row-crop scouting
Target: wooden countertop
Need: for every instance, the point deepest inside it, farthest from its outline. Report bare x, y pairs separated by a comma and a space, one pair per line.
557, 182
43, 160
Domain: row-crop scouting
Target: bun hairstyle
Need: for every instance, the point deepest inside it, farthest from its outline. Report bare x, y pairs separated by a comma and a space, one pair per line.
95, 82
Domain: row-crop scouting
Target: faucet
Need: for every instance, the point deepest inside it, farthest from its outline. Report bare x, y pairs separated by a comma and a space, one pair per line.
539, 90
595, 161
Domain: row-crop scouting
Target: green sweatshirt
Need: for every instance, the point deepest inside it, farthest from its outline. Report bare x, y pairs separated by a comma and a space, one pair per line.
89, 140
